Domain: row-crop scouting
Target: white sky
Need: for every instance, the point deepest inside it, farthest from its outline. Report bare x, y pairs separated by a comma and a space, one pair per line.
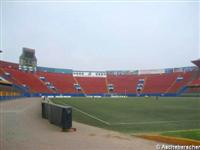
102, 35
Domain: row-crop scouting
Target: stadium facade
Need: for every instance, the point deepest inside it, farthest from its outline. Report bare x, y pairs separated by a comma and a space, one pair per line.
27, 79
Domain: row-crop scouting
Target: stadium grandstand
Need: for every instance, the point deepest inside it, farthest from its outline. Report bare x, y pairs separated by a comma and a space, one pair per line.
28, 79
9, 90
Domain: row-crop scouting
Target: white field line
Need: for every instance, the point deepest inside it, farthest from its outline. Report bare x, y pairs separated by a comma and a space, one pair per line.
150, 122
91, 116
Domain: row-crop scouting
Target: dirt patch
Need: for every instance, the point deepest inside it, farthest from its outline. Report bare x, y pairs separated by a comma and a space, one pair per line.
117, 137
22, 128
92, 134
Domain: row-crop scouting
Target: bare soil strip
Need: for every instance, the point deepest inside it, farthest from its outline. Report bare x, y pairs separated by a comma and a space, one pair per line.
22, 128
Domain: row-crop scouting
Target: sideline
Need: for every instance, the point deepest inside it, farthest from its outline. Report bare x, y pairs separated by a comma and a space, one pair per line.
151, 122
91, 116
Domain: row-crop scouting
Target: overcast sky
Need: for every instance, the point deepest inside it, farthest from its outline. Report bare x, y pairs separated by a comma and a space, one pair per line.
102, 35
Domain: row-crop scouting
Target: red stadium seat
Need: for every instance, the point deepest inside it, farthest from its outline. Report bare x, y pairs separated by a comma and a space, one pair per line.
28, 79
64, 83
92, 85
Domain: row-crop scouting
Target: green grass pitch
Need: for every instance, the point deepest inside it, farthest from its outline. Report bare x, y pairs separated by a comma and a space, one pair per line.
190, 134
136, 115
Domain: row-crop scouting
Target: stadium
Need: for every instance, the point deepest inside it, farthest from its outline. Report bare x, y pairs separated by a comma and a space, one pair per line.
99, 75
152, 104
31, 80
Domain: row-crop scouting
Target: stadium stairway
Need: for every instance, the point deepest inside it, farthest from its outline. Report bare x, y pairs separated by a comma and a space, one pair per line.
106, 81
9, 77
64, 83
123, 84
194, 84
177, 85
52, 91
28, 79
145, 78
157, 83
195, 79
82, 90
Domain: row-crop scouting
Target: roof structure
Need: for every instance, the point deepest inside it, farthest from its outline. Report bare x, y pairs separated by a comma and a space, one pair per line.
196, 62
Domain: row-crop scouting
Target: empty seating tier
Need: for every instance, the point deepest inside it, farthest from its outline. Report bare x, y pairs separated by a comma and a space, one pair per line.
27, 79
123, 84
92, 85
63, 83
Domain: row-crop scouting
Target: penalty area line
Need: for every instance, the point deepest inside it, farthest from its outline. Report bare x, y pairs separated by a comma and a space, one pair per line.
91, 116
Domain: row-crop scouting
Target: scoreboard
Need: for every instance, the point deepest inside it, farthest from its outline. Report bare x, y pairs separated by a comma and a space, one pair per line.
28, 60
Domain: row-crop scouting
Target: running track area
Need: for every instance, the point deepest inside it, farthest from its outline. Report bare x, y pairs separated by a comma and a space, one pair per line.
22, 128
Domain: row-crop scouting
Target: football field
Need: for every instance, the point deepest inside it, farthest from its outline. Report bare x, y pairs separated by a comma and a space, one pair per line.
137, 115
